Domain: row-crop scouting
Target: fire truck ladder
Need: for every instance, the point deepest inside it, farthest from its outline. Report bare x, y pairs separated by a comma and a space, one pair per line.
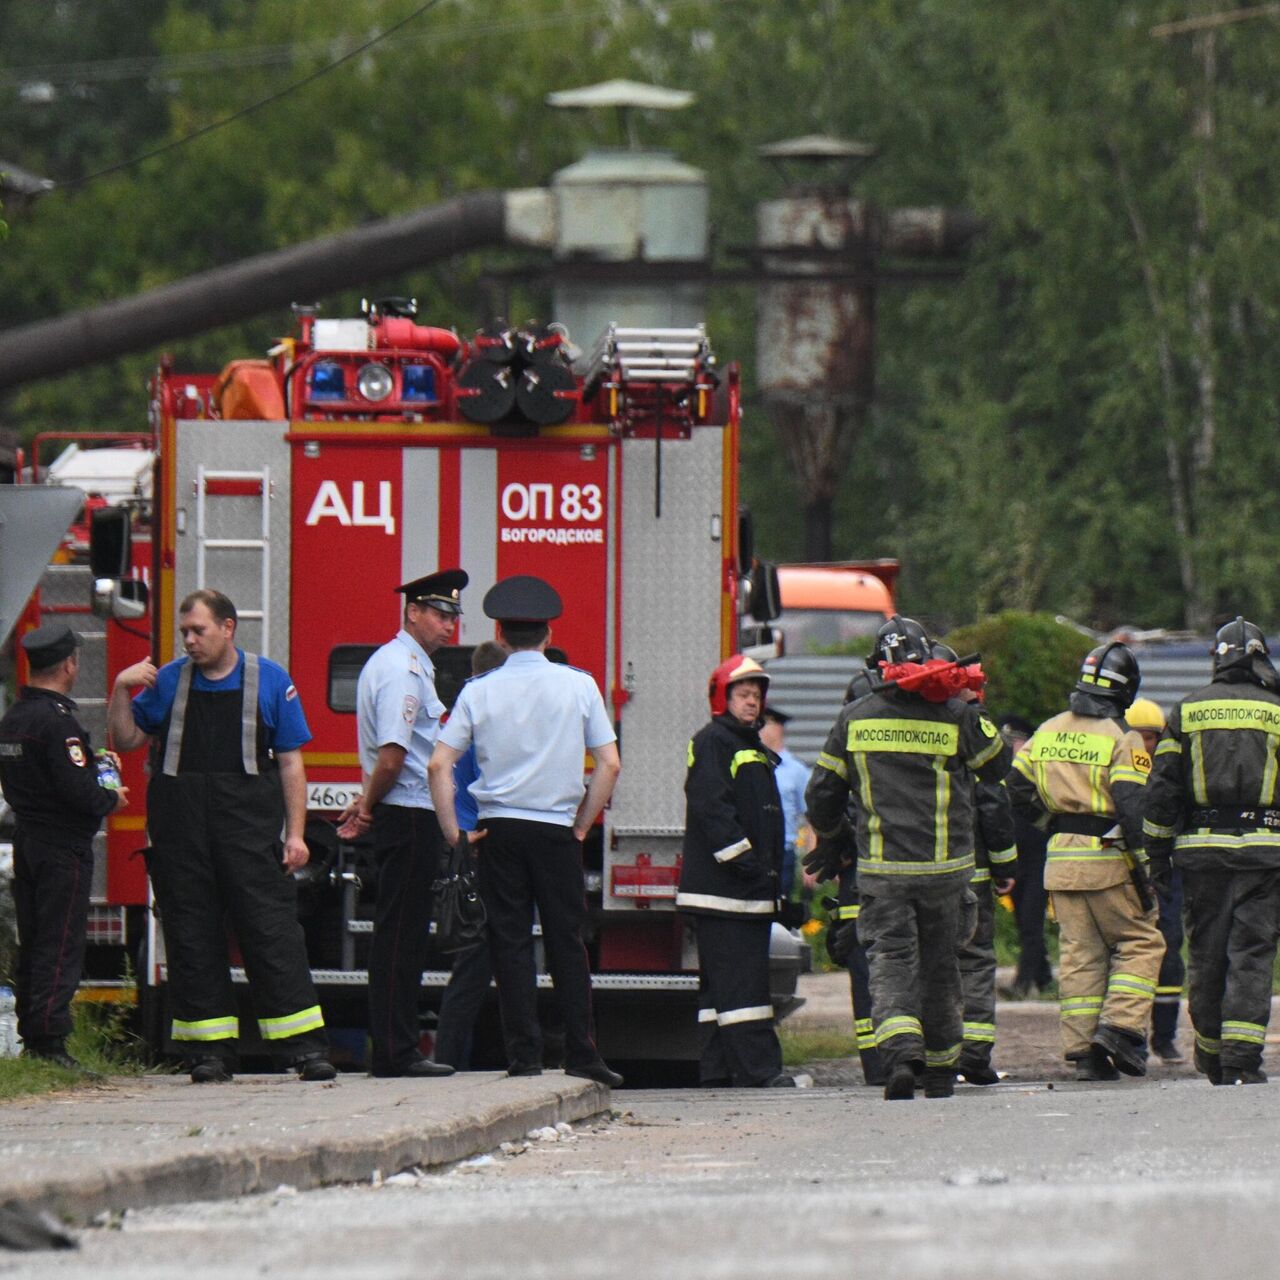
650, 374
237, 484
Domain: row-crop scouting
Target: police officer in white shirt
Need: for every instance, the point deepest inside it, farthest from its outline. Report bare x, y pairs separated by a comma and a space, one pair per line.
531, 721
398, 720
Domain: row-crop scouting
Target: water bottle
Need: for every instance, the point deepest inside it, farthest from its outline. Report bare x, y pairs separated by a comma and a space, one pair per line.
108, 774
10, 1045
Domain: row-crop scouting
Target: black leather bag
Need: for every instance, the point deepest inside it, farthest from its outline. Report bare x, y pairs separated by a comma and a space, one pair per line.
459, 912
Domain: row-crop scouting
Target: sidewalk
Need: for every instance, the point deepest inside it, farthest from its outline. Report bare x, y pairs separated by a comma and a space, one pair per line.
130, 1142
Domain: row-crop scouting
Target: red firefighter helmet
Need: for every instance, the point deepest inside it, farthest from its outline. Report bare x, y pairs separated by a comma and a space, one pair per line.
730, 671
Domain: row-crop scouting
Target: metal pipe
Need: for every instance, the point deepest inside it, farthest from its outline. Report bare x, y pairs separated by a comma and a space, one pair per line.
302, 272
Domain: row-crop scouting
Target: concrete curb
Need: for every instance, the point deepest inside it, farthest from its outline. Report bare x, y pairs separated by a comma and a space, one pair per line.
328, 1154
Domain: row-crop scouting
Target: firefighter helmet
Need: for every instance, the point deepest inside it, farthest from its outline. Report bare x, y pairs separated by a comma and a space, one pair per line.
863, 683
901, 640
943, 652
730, 671
1240, 645
1110, 671
1145, 714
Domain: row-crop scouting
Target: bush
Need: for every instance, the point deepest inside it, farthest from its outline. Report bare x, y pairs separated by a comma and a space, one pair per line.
1031, 661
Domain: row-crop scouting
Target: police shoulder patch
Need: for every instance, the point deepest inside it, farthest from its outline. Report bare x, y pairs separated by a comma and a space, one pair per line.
290, 693
410, 711
75, 753
1142, 762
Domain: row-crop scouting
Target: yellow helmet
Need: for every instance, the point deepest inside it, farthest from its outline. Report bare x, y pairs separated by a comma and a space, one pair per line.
1145, 714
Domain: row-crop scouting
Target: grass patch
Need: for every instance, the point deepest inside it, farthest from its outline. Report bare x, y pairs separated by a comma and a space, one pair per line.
100, 1041
799, 1047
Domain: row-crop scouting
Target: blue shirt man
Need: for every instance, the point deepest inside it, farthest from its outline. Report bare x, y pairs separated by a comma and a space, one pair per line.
397, 721
531, 722
792, 776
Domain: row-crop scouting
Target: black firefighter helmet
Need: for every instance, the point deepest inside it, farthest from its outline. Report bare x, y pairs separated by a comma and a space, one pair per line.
1240, 645
901, 640
1110, 671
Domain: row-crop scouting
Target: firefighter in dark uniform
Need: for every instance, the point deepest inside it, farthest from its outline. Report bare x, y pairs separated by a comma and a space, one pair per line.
1212, 803
532, 721
49, 778
227, 778
398, 715
729, 879
1083, 772
829, 861
905, 758
995, 855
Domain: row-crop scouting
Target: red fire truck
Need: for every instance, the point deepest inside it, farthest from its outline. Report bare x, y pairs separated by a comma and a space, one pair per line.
368, 451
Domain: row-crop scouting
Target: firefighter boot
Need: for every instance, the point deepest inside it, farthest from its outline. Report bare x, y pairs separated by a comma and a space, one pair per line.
1095, 1066
315, 1067
1208, 1064
1242, 1075
1126, 1049
977, 1070
901, 1084
210, 1071
939, 1082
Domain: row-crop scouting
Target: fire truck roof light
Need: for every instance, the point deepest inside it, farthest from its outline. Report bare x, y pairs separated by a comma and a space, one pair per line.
328, 382
418, 382
374, 381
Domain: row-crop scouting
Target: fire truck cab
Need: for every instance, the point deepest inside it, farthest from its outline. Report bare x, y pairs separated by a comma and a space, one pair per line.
365, 452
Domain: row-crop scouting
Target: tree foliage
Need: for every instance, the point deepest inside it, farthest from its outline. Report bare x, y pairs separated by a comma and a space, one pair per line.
1031, 660
1081, 422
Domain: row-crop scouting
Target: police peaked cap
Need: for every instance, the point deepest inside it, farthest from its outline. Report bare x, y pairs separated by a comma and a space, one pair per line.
48, 645
440, 590
522, 599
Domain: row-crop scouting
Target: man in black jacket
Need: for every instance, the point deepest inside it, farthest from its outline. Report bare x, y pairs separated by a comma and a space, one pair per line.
729, 879
1212, 803
50, 779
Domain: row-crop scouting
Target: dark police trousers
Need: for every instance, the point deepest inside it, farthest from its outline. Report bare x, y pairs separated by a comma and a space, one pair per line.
215, 858
51, 899
1173, 972
864, 1028
977, 959
735, 1012
407, 847
1231, 932
915, 978
523, 864
461, 1003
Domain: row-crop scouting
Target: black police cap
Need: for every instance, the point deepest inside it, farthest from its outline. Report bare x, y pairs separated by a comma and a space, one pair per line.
522, 599
440, 590
781, 717
48, 645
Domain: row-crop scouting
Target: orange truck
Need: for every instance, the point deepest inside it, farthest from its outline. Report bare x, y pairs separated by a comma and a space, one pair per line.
828, 605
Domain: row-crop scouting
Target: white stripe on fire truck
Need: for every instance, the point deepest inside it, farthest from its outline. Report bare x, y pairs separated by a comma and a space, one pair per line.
478, 538
419, 513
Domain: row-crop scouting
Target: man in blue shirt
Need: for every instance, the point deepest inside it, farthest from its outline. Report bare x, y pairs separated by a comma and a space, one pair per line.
531, 722
792, 776
227, 777
398, 720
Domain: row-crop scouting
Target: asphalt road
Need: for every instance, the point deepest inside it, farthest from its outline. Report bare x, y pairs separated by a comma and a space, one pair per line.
1136, 1179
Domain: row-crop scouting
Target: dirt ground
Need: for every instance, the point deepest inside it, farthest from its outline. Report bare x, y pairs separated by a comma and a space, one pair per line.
1027, 1045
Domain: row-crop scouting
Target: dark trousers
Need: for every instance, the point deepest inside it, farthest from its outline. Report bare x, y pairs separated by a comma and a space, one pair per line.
1029, 904
51, 900
216, 858
460, 1005
1173, 972
525, 864
915, 977
407, 849
977, 958
1231, 933
864, 1027
735, 1012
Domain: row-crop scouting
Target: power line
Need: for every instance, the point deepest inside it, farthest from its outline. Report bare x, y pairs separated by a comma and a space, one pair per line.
253, 106
212, 61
